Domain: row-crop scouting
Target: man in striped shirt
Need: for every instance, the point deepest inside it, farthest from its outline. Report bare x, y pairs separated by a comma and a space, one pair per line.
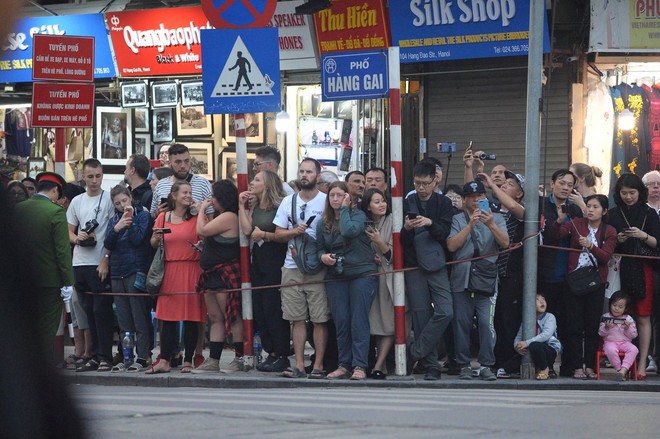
179, 157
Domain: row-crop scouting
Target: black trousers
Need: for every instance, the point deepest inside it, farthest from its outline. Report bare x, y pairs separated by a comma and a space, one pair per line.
99, 312
542, 355
267, 309
168, 339
508, 317
581, 329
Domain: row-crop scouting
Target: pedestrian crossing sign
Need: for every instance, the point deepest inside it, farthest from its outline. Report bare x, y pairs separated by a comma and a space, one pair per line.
240, 71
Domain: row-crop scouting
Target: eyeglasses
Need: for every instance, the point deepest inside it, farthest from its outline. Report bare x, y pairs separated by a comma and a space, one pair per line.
302, 212
257, 164
652, 184
423, 183
454, 197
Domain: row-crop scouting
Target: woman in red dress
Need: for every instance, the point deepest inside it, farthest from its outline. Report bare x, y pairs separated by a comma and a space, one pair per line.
182, 271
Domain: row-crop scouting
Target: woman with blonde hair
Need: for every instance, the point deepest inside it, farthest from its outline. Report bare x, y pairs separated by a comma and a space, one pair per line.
257, 209
177, 228
587, 176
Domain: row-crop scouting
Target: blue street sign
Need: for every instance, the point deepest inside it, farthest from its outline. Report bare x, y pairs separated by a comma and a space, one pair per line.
240, 71
355, 75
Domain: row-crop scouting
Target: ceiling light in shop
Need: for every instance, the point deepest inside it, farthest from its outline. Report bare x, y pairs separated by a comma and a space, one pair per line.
626, 120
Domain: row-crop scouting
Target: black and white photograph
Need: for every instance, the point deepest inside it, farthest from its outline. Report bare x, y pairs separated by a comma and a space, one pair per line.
254, 128
191, 93
164, 94
191, 121
162, 124
141, 120
228, 167
142, 144
114, 132
201, 158
134, 94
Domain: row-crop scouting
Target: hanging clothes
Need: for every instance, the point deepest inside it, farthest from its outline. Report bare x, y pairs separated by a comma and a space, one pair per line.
599, 129
19, 135
631, 148
654, 125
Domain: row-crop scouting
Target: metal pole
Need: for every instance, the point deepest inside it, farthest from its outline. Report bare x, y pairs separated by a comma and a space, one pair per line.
532, 141
246, 294
396, 179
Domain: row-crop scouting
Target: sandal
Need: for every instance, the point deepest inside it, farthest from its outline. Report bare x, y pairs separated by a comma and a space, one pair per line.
135, 367
91, 365
340, 374
579, 375
106, 366
187, 368
358, 374
590, 375
316, 374
542, 376
118, 368
153, 371
293, 372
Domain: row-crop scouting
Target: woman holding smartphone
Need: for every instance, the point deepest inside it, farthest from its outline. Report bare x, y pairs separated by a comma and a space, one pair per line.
257, 209
127, 238
597, 240
177, 228
221, 264
381, 314
638, 228
345, 248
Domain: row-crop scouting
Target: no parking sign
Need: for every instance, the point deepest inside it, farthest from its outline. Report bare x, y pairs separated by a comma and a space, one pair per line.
232, 14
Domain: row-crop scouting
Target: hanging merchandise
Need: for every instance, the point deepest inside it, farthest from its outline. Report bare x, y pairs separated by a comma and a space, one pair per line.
631, 148
654, 125
18, 131
599, 129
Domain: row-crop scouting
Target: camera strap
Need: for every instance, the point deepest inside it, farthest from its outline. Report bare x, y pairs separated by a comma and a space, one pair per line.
98, 206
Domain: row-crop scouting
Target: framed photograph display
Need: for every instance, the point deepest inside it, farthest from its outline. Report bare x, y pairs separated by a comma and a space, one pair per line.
35, 165
142, 144
191, 93
254, 128
114, 131
201, 158
141, 120
162, 125
191, 121
228, 165
164, 94
134, 94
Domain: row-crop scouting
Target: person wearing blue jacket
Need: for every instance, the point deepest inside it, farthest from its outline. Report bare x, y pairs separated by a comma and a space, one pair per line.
127, 239
344, 247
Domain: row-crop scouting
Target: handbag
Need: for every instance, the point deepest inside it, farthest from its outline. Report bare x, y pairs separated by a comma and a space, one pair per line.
586, 280
483, 273
157, 268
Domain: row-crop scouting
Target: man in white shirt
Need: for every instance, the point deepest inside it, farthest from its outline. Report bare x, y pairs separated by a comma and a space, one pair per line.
89, 213
305, 301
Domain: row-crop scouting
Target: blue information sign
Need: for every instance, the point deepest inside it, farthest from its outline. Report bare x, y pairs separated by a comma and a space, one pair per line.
240, 71
16, 59
355, 75
446, 30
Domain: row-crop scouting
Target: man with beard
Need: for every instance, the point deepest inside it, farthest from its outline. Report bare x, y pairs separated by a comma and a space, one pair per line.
308, 300
179, 158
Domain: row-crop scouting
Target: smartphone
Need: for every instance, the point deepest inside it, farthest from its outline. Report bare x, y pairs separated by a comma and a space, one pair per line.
564, 208
163, 230
163, 200
484, 205
310, 220
195, 246
411, 215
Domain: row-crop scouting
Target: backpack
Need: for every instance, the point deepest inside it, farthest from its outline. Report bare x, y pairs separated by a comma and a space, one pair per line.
303, 249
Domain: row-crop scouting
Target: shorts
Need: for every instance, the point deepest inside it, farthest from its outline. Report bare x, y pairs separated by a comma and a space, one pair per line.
78, 314
305, 301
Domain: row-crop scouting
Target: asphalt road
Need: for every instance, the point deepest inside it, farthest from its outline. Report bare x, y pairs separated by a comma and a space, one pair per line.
192, 413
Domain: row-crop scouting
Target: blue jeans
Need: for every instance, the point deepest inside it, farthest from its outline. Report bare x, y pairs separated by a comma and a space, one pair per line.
350, 302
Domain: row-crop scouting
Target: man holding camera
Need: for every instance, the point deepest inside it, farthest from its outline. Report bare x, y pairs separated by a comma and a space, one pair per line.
88, 217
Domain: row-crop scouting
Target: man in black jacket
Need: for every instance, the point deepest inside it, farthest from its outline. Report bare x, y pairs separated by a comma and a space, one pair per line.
135, 175
427, 223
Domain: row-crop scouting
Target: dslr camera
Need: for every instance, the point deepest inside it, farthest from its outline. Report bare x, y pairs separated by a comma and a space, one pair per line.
339, 265
89, 227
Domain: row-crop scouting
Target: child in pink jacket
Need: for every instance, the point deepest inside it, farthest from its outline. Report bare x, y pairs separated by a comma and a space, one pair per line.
618, 330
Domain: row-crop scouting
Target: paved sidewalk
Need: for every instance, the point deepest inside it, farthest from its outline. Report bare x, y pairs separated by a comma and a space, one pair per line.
254, 379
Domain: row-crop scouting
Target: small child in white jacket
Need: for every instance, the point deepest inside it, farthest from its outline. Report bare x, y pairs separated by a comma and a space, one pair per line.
618, 330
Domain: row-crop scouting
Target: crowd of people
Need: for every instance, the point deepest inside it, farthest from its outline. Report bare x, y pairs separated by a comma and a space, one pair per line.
330, 244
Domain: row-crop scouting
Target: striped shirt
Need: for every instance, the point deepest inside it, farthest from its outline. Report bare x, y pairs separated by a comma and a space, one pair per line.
201, 190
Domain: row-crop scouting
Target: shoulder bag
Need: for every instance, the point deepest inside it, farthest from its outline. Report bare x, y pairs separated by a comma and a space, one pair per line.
157, 268
586, 280
303, 249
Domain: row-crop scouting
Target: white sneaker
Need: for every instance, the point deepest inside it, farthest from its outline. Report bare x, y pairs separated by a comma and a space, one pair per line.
236, 365
652, 367
209, 365
501, 373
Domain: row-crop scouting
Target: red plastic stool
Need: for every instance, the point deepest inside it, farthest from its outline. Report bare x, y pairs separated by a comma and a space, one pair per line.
600, 354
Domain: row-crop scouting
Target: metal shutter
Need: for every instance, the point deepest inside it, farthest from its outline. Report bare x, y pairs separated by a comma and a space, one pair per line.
488, 108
